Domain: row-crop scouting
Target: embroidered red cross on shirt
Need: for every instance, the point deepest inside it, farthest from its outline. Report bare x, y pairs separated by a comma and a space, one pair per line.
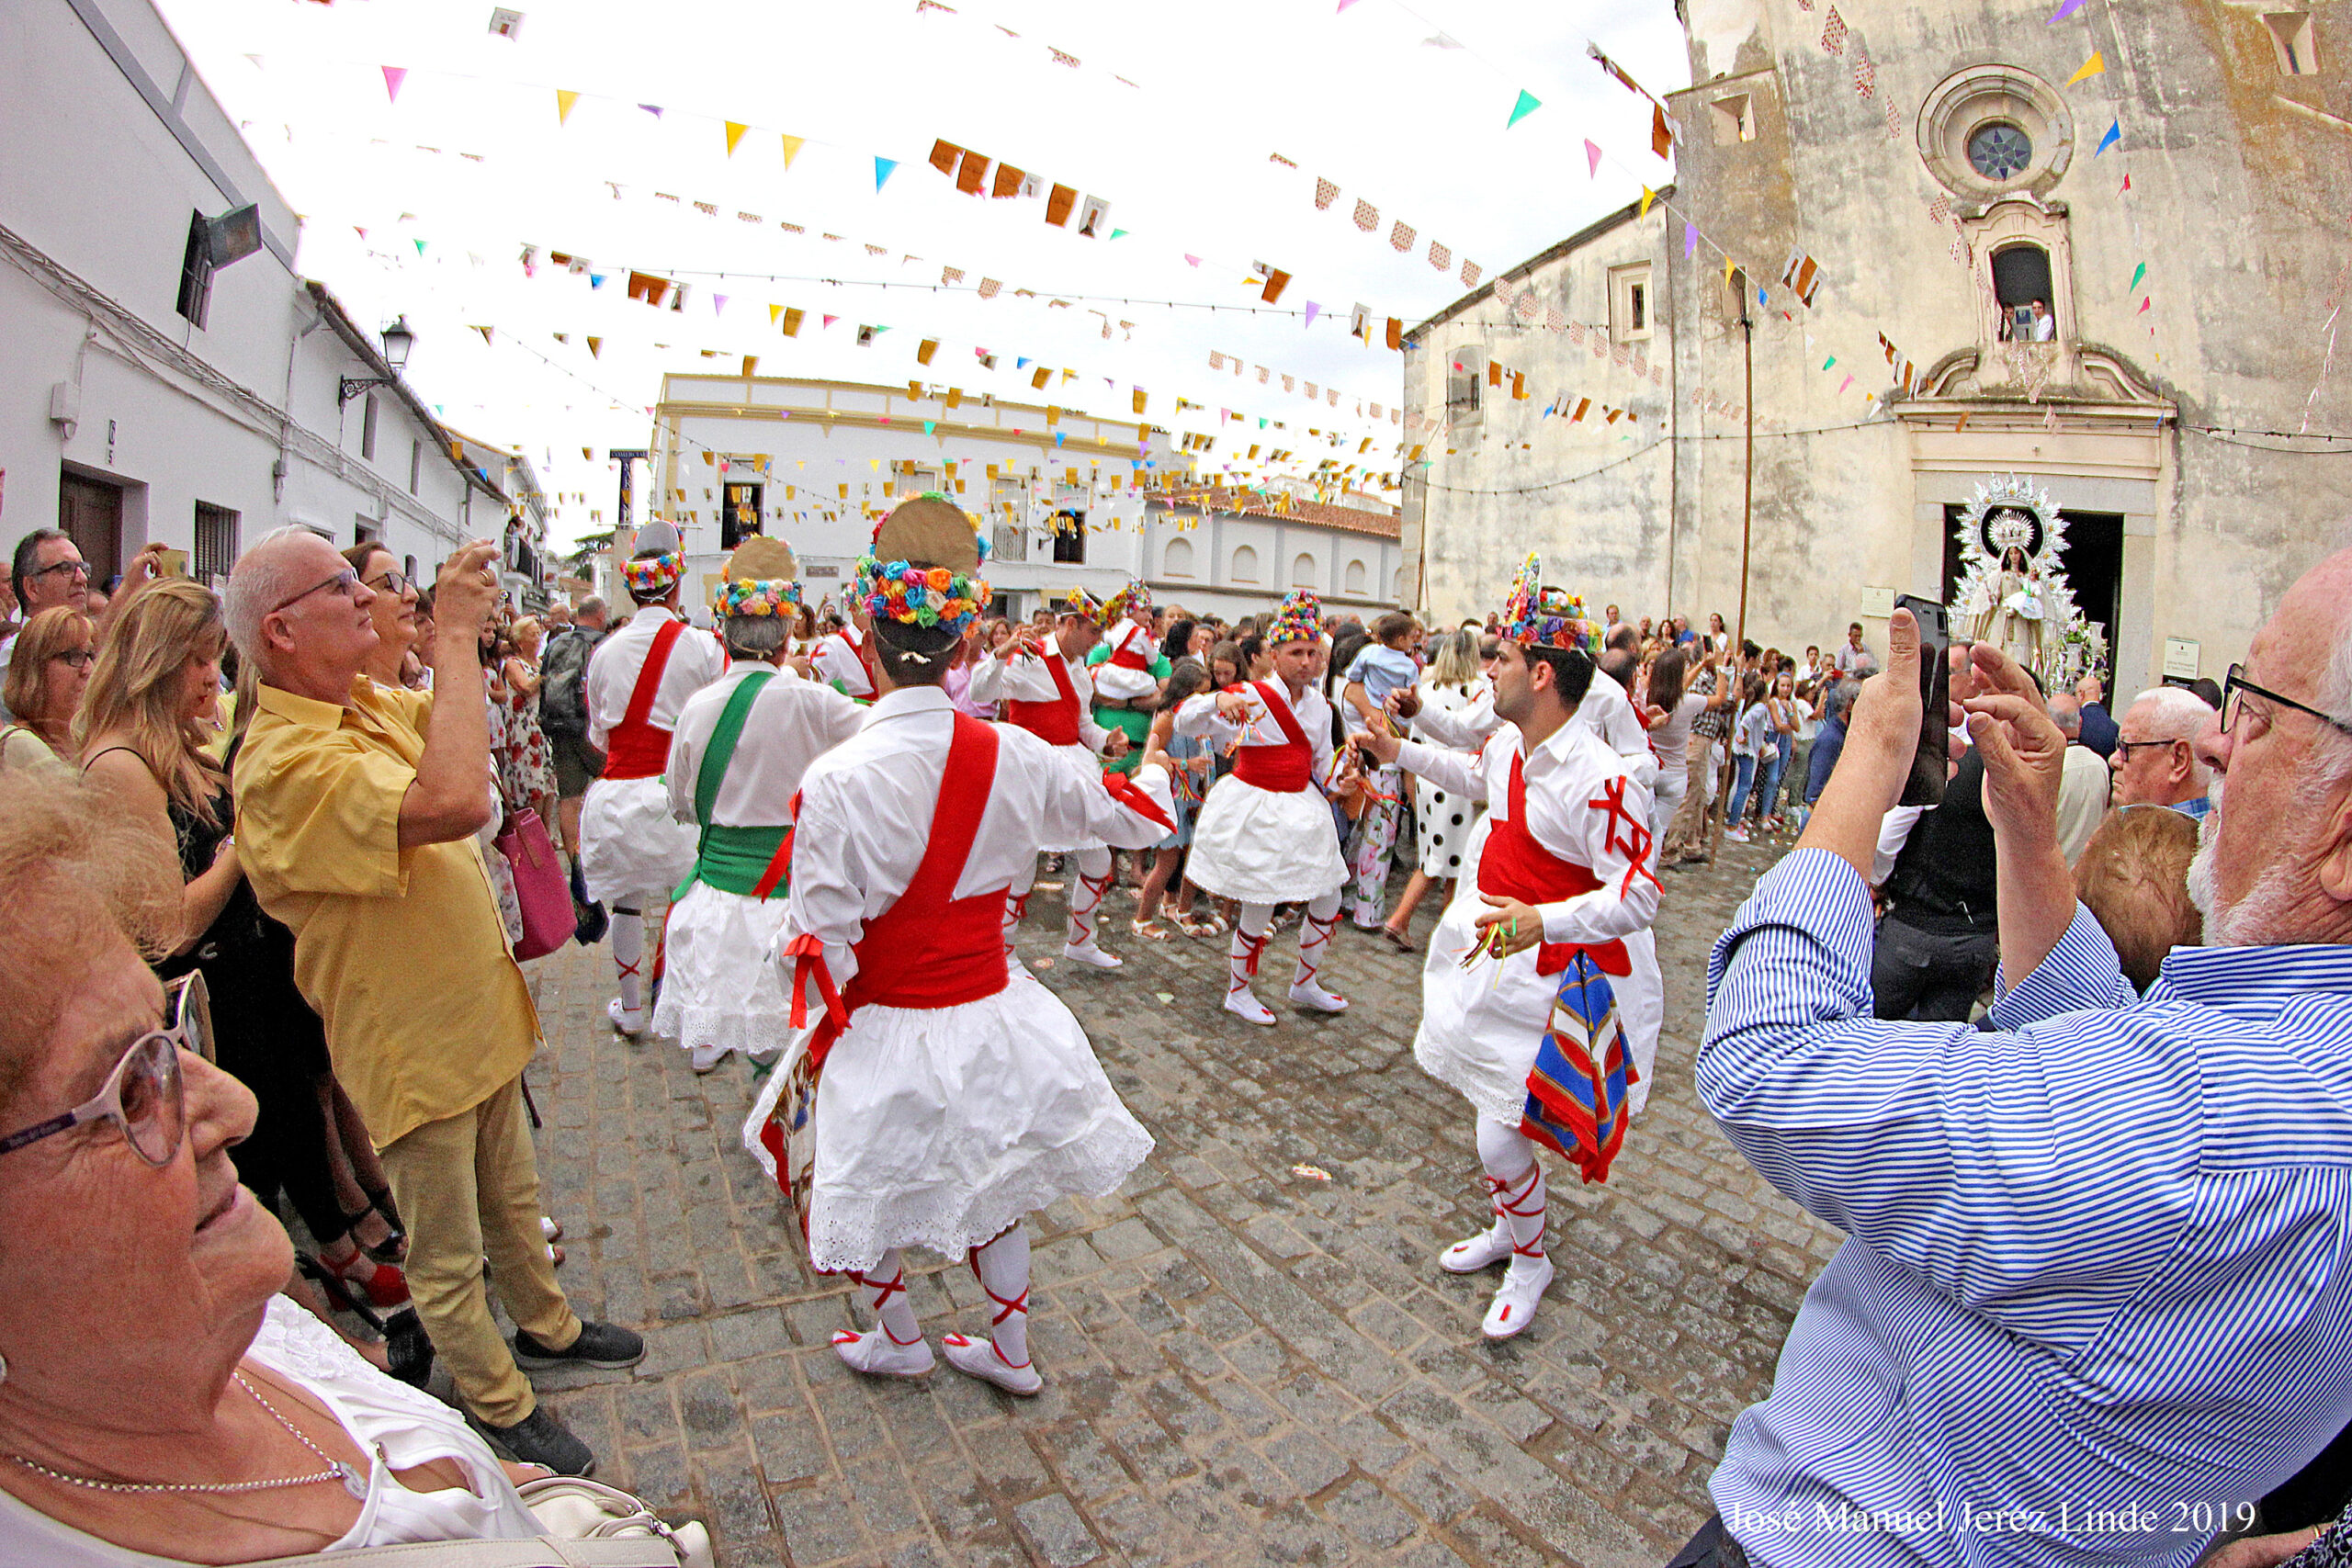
1627, 833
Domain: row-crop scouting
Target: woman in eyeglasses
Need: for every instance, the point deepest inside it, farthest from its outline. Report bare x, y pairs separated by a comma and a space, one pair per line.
158, 1399
48, 668
152, 706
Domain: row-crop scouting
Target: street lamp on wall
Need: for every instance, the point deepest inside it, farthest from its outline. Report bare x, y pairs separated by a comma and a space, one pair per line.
398, 340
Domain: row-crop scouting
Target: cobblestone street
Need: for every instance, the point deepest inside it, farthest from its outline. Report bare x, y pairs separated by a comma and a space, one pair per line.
1244, 1364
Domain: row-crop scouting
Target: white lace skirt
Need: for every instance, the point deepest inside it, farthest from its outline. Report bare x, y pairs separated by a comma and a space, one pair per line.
938, 1127
720, 992
630, 845
1264, 846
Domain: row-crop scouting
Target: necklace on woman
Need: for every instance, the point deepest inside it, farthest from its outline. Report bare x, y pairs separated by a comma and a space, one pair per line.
335, 1469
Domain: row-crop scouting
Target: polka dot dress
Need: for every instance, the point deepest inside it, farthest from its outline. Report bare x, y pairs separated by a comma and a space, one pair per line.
1442, 821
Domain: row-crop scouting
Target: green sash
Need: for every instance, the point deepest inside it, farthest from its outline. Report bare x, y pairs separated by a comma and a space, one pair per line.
732, 860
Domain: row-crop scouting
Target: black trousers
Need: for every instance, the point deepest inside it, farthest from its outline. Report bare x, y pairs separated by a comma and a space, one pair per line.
1930, 976
1713, 1547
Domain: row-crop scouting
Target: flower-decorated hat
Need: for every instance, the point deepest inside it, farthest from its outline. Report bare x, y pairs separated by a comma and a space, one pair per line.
659, 562
1079, 603
923, 572
760, 580
1134, 599
1537, 616
1300, 619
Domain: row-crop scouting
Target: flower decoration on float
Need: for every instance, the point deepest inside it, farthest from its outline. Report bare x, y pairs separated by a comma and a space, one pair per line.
1538, 616
1300, 619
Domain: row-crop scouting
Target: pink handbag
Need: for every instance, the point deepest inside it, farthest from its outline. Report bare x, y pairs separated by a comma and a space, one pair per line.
540, 885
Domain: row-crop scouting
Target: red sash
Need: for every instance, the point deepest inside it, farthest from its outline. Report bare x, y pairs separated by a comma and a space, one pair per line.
1280, 770
635, 749
1055, 723
1515, 866
857, 651
929, 949
1126, 657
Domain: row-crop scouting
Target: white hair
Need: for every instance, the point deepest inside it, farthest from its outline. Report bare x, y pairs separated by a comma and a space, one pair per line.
258, 583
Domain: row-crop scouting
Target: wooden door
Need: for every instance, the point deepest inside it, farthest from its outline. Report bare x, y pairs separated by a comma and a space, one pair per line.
90, 512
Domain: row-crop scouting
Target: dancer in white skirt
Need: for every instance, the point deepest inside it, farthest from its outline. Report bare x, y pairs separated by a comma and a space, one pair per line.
1049, 691
839, 659
631, 850
953, 1096
1529, 966
735, 766
1265, 835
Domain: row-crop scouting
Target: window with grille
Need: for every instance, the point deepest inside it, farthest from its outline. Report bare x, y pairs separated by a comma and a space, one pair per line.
1461, 382
216, 542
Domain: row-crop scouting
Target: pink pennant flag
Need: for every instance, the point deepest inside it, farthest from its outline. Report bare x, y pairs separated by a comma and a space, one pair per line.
2143, 305
1313, 309
830, 320
1191, 261
718, 303
1592, 157
1690, 241
1846, 383
393, 77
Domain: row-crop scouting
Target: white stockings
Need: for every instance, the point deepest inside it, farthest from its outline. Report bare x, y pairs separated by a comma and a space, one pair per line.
1250, 946
1093, 880
629, 962
897, 1348
1514, 1179
1002, 1269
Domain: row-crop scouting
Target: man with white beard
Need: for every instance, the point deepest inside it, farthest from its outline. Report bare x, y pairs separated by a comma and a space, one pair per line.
2097, 1257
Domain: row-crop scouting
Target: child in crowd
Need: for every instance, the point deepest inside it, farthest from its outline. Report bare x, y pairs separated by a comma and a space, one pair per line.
1189, 775
1383, 665
1751, 732
2133, 878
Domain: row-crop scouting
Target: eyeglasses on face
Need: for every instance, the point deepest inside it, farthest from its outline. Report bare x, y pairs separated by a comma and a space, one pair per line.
143, 1096
392, 582
80, 568
344, 582
2124, 748
2236, 688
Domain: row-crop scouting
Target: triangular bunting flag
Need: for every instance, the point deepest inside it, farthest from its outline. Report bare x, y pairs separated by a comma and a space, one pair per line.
883, 169
653, 109
393, 77
595, 348
830, 320
774, 311
792, 145
1313, 309
2060, 15
2096, 65
1592, 159
2137, 273
734, 134
1527, 104
563, 102
2114, 134
1648, 196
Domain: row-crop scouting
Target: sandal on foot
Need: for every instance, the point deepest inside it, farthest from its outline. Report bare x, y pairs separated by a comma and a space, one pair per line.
1151, 931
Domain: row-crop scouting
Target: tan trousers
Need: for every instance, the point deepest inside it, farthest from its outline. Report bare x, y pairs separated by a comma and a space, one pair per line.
467, 1186
1692, 831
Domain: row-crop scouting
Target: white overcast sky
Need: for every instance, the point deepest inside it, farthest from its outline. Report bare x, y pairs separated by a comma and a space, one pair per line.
1359, 96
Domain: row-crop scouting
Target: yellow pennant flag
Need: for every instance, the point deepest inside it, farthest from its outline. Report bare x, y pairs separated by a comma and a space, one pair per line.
2095, 66
595, 348
734, 134
774, 311
1648, 196
563, 102
791, 149
1728, 265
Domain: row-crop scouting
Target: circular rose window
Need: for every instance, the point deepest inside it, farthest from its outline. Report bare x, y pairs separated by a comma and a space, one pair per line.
2000, 152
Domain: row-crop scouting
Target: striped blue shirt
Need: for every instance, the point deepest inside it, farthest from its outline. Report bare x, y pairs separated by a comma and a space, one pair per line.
2097, 1293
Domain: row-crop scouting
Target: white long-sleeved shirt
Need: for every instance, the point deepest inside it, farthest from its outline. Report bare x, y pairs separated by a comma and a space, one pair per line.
1607, 711
835, 658
1199, 718
866, 808
1029, 678
792, 723
696, 660
1572, 768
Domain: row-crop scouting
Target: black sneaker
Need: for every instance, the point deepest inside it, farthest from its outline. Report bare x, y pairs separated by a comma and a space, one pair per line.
540, 1438
599, 1345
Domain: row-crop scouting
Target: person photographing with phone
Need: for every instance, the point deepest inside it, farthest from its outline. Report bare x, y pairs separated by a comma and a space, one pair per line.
2097, 1262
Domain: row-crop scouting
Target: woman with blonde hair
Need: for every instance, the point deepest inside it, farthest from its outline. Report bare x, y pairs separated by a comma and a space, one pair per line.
152, 706
527, 766
48, 668
1442, 823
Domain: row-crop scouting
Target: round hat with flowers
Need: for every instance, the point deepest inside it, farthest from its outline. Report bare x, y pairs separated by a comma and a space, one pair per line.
1538, 616
924, 569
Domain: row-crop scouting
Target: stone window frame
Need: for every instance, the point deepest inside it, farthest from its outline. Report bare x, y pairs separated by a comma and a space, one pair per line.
1969, 100
1623, 280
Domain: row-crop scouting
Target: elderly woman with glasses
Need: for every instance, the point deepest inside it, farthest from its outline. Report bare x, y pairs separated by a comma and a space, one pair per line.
48, 667
158, 1398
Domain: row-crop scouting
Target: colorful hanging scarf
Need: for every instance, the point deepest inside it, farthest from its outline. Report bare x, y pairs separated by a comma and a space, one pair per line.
1577, 1091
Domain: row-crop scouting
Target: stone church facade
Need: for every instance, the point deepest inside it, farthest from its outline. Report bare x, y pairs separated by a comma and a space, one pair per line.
2174, 406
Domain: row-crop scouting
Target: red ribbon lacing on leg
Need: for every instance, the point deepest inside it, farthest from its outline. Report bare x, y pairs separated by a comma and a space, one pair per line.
883, 1290
626, 969
1319, 939
1250, 948
1508, 1202
1009, 1304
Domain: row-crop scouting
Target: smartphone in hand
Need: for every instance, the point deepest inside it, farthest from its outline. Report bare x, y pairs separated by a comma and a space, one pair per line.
1931, 762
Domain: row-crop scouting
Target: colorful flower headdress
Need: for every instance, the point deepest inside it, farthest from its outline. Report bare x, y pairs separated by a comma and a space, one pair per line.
1078, 602
926, 527
652, 574
1134, 597
1300, 619
1537, 616
754, 596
